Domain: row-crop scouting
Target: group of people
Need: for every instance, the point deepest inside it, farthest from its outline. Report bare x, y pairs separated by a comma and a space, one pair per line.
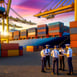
57, 56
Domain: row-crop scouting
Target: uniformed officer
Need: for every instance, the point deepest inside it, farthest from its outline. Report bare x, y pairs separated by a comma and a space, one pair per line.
55, 55
43, 59
61, 57
69, 57
47, 53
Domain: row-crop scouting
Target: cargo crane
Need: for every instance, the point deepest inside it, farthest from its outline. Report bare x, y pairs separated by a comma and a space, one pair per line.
62, 8
4, 14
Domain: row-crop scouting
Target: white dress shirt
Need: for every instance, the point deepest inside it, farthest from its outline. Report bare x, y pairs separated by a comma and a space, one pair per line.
47, 52
43, 53
62, 51
69, 52
55, 53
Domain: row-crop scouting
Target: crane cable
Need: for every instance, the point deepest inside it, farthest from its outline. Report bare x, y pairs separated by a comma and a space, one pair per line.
46, 5
15, 12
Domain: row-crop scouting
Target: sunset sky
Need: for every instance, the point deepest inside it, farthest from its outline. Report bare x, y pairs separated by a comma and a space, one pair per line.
28, 8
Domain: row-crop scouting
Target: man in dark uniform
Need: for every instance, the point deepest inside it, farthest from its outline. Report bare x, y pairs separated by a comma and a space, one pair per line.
55, 55
43, 59
61, 58
47, 53
69, 57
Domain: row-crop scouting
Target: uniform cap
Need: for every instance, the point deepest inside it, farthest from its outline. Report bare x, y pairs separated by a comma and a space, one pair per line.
47, 45
67, 44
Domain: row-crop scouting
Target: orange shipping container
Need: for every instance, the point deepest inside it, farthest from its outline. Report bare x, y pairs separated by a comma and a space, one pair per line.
73, 43
16, 33
42, 30
44, 25
31, 48
56, 28
73, 24
73, 37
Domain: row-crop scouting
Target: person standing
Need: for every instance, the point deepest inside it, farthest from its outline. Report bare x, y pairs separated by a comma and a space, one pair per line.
55, 55
69, 57
61, 56
43, 59
47, 53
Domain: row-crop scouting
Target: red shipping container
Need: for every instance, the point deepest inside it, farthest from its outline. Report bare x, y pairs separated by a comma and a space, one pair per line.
73, 43
4, 53
20, 52
73, 24
43, 25
73, 37
9, 46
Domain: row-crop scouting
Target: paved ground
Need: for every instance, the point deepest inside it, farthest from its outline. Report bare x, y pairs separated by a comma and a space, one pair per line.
29, 65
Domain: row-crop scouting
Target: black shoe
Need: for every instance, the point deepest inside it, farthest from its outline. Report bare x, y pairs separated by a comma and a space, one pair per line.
57, 74
43, 71
60, 69
63, 70
68, 73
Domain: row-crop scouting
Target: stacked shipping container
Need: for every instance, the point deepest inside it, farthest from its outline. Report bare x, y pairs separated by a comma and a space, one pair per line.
10, 35
16, 35
10, 49
20, 50
31, 48
73, 36
32, 33
42, 30
55, 29
23, 34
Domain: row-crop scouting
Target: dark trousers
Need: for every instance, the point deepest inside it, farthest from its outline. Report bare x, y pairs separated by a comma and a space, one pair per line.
70, 66
55, 62
43, 61
62, 65
48, 59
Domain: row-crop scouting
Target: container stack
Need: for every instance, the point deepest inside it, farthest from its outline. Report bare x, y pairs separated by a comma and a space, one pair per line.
10, 35
32, 33
9, 49
73, 36
31, 48
23, 34
20, 50
55, 29
66, 29
16, 35
42, 31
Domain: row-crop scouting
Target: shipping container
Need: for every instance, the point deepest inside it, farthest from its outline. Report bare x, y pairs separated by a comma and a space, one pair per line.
73, 24
74, 44
4, 53
42, 26
20, 52
73, 37
73, 30
23, 34
16, 35
13, 52
31, 48
10, 35
32, 32
74, 50
9, 46
56, 24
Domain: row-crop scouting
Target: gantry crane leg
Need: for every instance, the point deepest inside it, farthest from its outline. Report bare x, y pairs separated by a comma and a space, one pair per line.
75, 10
